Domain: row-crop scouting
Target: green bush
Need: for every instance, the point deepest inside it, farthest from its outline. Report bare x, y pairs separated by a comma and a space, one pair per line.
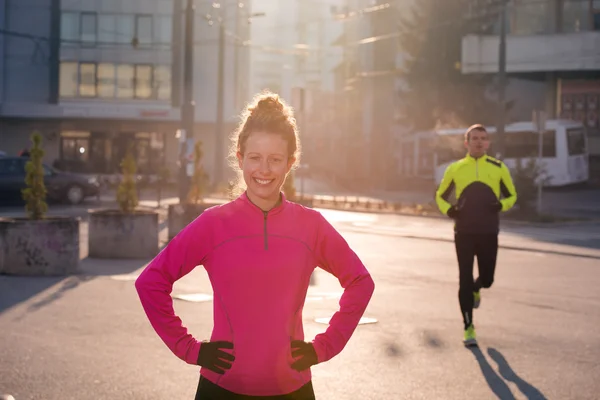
35, 193
199, 178
126, 192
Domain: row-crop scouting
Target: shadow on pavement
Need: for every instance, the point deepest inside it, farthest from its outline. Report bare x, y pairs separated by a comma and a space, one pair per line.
494, 381
432, 340
43, 290
93, 267
507, 373
18, 289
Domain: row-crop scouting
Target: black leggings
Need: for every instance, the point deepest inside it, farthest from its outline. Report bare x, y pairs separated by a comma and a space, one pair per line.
209, 391
485, 247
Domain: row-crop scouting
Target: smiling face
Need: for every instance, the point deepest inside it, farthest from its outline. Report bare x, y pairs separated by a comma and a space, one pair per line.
265, 164
477, 143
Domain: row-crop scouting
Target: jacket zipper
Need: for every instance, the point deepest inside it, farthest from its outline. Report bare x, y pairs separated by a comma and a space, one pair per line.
266, 213
477, 168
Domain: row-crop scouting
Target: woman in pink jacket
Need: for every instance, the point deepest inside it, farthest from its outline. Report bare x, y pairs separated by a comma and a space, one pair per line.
259, 252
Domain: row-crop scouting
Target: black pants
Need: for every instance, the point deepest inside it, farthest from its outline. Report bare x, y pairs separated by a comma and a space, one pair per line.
209, 391
485, 247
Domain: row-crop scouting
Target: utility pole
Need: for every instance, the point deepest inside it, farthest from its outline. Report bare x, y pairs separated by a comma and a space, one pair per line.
220, 105
502, 82
188, 108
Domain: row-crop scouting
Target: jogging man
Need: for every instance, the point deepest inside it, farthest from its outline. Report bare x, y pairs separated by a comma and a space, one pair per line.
478, 181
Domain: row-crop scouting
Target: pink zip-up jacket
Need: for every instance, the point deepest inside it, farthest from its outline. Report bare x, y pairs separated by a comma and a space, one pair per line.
259, 264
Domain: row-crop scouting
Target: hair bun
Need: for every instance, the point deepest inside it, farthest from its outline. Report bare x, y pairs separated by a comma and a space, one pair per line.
269, 104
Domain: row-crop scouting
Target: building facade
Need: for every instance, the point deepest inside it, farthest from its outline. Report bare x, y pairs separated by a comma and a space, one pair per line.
552, 61
97, 78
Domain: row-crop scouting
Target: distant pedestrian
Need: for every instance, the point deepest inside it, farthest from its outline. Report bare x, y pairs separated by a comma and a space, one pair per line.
259, 251
478, 182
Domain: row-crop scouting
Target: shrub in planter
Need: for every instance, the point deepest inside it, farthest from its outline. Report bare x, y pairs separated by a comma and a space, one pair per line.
526, 176
38, 245
180, 215
127, 232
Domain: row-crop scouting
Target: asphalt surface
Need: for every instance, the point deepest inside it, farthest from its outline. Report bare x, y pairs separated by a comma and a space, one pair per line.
86, 336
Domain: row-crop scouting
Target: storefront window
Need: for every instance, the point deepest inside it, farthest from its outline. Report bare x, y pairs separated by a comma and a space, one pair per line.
106, 80
162, 82
125, 81
143, 81
87, 80
69, 79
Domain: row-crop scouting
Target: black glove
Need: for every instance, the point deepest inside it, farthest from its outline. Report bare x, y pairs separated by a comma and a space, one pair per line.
453, 212
496, 207
214, 359
306, 352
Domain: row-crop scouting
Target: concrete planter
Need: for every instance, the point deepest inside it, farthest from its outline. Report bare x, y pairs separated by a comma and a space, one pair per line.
114, 234
180, 216
47, 247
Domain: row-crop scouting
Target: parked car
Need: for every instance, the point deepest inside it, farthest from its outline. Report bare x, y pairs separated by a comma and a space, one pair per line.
61, 186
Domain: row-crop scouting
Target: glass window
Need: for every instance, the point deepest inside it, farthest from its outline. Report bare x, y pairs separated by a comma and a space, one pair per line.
68, 79
575, 141
106, 80
143, 81
125, 28
525, 144
125, 81
596, 21
162, 82
107, 28
88, 28
575, 16
69, 28
163, 26
143, 29
87, 80
13, 166
74, 149
531, 17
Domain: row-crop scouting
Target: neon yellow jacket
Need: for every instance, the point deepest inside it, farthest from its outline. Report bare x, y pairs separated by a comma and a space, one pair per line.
478, 185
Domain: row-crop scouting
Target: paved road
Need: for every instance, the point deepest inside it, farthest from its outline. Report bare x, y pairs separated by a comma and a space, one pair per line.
85, 337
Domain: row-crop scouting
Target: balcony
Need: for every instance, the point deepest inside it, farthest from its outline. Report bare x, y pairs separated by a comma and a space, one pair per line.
534, 53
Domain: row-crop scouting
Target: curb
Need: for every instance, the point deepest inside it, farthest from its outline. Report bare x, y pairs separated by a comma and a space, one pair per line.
506, 221
500, 246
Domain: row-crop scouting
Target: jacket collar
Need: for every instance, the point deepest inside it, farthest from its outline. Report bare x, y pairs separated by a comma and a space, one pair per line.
245, 200
470, 158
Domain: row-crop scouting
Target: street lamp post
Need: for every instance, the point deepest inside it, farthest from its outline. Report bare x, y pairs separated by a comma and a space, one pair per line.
188, 108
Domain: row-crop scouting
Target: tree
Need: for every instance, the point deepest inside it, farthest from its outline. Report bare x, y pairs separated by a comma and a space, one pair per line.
289, 187
35, 193
436, 92
527, 174
199, 178
126, 192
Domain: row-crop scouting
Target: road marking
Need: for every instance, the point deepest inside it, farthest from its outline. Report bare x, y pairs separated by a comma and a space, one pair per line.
363, 320
194, 297
124, 277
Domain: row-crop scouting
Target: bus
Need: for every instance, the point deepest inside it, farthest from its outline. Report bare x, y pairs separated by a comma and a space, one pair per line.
565, 159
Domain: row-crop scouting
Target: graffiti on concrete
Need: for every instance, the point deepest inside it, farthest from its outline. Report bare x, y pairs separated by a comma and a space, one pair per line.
33, 255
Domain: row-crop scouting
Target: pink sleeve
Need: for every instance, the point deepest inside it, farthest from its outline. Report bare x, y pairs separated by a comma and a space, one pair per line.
185, 251
336, 257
